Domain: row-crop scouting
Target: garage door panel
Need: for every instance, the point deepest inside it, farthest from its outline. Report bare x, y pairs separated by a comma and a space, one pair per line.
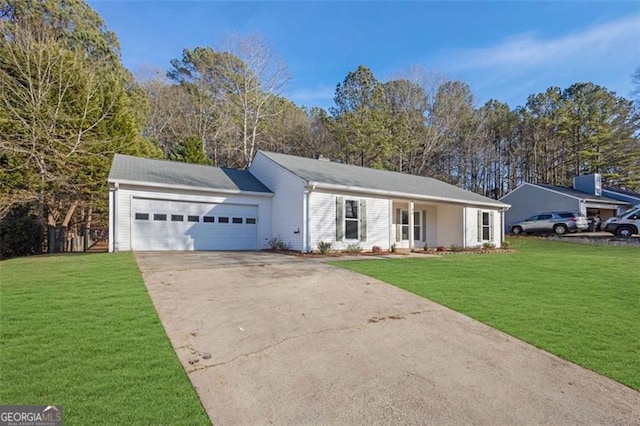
177, 232
164, 244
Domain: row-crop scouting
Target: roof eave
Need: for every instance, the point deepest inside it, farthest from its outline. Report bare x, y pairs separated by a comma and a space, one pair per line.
408, 195
189, 187
624, 194
596, 200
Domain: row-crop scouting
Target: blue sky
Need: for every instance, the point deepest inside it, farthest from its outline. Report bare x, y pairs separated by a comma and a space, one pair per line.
503, 50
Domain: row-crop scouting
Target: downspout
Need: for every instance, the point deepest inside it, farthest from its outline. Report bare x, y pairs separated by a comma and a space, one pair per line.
306, 234
305, 221
110, 219
113, 207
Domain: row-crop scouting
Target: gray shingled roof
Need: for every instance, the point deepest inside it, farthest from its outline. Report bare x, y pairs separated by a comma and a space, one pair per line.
163, 172
579, 194
328, 172
622, 191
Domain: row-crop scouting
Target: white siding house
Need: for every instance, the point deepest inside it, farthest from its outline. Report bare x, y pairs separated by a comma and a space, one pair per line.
321, 201
163, 205
288, 200
326, 212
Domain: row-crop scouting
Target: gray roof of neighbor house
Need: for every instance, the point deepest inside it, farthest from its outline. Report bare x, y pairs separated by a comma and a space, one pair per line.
622, 191
579, 194
366, 179
128, 169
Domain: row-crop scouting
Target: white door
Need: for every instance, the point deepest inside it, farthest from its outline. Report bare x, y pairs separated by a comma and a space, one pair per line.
180, 225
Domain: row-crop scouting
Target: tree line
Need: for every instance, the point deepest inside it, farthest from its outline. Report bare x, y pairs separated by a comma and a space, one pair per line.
67, 105
420, 123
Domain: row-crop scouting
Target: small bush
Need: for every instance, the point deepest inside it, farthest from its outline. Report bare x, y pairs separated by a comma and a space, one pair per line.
456, 248
353, 248
276, 243
425, 247
376, 249
440, 248
20, 233
488, 245
506, 244
324, 247
393, 248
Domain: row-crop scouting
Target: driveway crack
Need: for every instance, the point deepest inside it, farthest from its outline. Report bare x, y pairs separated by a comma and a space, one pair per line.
257, 351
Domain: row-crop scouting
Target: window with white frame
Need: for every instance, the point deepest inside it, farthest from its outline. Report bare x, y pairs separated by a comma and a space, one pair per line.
351, 220
417, 227
404, 225
485, 227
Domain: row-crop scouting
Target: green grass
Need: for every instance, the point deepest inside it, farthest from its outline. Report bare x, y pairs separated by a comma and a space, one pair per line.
81, 331
581, 302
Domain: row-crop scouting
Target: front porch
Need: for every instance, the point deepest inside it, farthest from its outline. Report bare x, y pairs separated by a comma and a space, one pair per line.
416, 224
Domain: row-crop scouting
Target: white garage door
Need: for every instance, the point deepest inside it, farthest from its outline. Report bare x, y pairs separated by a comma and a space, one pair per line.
179, 225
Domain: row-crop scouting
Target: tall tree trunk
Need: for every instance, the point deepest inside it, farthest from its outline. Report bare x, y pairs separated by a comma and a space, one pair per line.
87, 226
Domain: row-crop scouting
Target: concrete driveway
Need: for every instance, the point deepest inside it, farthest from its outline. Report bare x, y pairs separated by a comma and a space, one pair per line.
274, 339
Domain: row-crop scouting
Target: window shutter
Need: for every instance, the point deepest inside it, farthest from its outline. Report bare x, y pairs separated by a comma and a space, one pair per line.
398, 225
424, 226
363, 220
491, 226
339, 218
479, 226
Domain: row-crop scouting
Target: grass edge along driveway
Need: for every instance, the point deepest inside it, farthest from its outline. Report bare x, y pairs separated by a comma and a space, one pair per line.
580, 302
80, 330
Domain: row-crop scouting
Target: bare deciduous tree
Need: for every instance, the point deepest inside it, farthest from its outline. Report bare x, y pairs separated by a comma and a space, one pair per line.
65, 109
53, 101
253, 88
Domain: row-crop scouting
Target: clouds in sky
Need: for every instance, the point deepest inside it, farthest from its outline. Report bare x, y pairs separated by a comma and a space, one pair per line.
620, 37
524, 64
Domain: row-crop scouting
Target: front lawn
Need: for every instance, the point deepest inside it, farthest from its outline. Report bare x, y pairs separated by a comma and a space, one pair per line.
80, 331
578, 301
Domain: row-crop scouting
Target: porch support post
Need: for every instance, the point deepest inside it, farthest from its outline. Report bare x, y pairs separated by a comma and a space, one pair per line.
412, 244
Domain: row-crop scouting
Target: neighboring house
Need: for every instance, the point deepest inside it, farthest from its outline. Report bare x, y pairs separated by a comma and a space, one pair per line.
622, 195
161, 205
586, 197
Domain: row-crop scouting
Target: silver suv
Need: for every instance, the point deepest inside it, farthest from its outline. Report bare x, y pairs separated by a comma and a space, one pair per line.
558, 222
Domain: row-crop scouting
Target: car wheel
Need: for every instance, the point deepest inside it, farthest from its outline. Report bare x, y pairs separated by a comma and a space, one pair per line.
517, 230
560, 229
624, 231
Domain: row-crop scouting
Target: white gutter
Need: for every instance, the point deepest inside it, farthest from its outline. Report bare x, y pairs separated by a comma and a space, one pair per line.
403, 194
189, 187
